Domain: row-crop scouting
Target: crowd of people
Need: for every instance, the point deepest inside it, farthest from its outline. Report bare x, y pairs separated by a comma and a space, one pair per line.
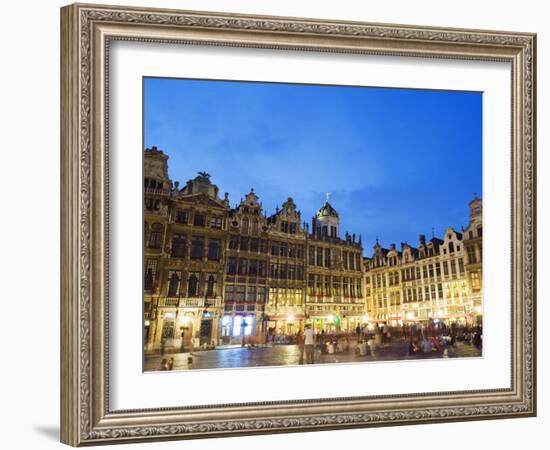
434, 338
419, 339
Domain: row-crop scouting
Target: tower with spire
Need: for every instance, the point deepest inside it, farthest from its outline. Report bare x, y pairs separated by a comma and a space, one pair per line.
326, 222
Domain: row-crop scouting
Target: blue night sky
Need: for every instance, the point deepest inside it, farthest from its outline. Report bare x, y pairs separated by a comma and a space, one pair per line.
397, 162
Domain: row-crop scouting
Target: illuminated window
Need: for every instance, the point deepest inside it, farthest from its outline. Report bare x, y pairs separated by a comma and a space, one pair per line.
240, 323
226, 325
476, 281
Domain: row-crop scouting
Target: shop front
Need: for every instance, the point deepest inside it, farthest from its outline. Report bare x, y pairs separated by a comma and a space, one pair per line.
350, 322
241, 329
325, 322
285, 324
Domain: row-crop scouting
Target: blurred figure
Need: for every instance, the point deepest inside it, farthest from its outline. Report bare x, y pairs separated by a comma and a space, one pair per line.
427, 346
164, 365
362, 348
476, 340
413, 348
309, 342
372, 345
300, 340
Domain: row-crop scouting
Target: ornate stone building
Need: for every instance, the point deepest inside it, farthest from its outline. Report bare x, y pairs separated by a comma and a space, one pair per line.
213, 273
438, 280
184, 239
287, 268
335, 299
246, 272
216, 274
473, 243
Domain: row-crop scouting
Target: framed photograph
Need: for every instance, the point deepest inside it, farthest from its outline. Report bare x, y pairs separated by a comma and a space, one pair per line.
276, 224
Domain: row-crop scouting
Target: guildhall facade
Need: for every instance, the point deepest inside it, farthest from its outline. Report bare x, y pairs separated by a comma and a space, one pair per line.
213, 274
439, 280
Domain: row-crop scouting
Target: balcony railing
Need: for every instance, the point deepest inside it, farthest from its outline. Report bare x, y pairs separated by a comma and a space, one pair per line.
155, 191
213, 302
171, 301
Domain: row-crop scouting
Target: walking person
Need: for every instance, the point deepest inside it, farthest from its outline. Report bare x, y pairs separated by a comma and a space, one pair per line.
300, 340
309, 344
372, 345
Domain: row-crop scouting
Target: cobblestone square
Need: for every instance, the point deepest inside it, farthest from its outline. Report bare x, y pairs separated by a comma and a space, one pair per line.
289, 355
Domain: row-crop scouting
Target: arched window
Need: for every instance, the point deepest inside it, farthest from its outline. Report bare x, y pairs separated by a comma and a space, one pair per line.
193, 285
451, 247
155, 240
210, 286
255, 226
148, 283
245, 225
173, 285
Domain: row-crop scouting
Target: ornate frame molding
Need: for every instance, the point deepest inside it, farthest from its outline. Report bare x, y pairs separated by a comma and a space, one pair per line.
86, 31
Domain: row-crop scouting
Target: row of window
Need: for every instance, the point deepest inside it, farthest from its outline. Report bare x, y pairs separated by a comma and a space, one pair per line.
176, 285
152, 183
318, 256
425, 272
327, 231
244, 267
419, 294
242, 292
352, 261
240, 307
288, 227
379, 260
280, 296
275, 248
326, 286
254, 267
198, 249
321, 257
199, 219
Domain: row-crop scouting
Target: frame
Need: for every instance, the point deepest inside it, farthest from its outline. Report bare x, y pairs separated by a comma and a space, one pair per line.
86, 34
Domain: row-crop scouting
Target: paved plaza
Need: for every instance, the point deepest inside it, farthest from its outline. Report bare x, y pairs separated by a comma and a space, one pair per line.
288, 355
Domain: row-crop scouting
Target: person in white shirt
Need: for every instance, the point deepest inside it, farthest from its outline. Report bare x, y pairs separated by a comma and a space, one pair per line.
309, 343
372, 345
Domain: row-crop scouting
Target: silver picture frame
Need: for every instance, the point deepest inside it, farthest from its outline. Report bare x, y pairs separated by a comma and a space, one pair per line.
87, 32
